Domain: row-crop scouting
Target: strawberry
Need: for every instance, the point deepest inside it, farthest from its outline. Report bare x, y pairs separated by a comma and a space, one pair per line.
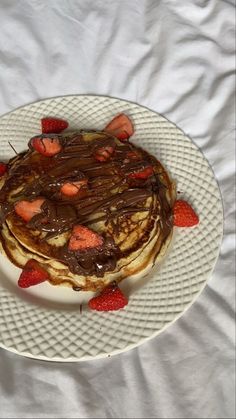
133, 155
73, 188
47, 146
121, 127
27, 209
142, 173
104, 153
111, 298
3, 168
184, 215
53, 125
83, 238
32, 274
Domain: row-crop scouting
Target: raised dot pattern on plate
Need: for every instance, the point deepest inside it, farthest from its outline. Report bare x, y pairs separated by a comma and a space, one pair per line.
69, 335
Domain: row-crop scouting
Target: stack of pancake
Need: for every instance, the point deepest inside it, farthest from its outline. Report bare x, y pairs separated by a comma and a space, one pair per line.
126, 199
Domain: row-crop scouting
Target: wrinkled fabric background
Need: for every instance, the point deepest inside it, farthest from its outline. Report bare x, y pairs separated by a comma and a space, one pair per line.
177, 58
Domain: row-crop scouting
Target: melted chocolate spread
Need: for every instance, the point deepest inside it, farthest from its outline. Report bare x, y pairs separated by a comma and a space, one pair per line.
109, 194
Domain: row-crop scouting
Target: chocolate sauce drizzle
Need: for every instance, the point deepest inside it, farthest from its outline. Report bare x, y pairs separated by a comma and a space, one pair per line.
110, 194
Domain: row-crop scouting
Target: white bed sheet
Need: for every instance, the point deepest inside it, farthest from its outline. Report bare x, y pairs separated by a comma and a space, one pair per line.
177, 58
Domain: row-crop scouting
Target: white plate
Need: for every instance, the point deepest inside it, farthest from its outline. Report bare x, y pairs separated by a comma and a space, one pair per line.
50, 323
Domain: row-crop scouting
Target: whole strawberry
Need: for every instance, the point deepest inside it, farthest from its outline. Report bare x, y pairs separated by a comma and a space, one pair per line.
184, 214
110, 299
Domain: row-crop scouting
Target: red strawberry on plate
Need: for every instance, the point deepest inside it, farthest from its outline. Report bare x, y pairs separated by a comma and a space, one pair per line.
103, 154
53, 125
144, 173
111, 298
32, 274
47, 146
3, 168
83, 238
27, 209
121, 127
184, 214
73, 188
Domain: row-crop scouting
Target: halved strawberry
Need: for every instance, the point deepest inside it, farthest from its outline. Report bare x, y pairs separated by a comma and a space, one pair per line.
53, 125
73, 188
3, 168
104, 153
184, 214
142, 173
32, 274
111, 298
47, 146
121, 127
83, 238
27, 209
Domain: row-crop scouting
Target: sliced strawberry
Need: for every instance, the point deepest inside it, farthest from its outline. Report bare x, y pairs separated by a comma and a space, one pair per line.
83, 238
184, 214
27, 209
53, 125
104, 153
142, 173
111, 298
3, 168
121, 127
32, 274
133, 155
47, 146
73, 188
